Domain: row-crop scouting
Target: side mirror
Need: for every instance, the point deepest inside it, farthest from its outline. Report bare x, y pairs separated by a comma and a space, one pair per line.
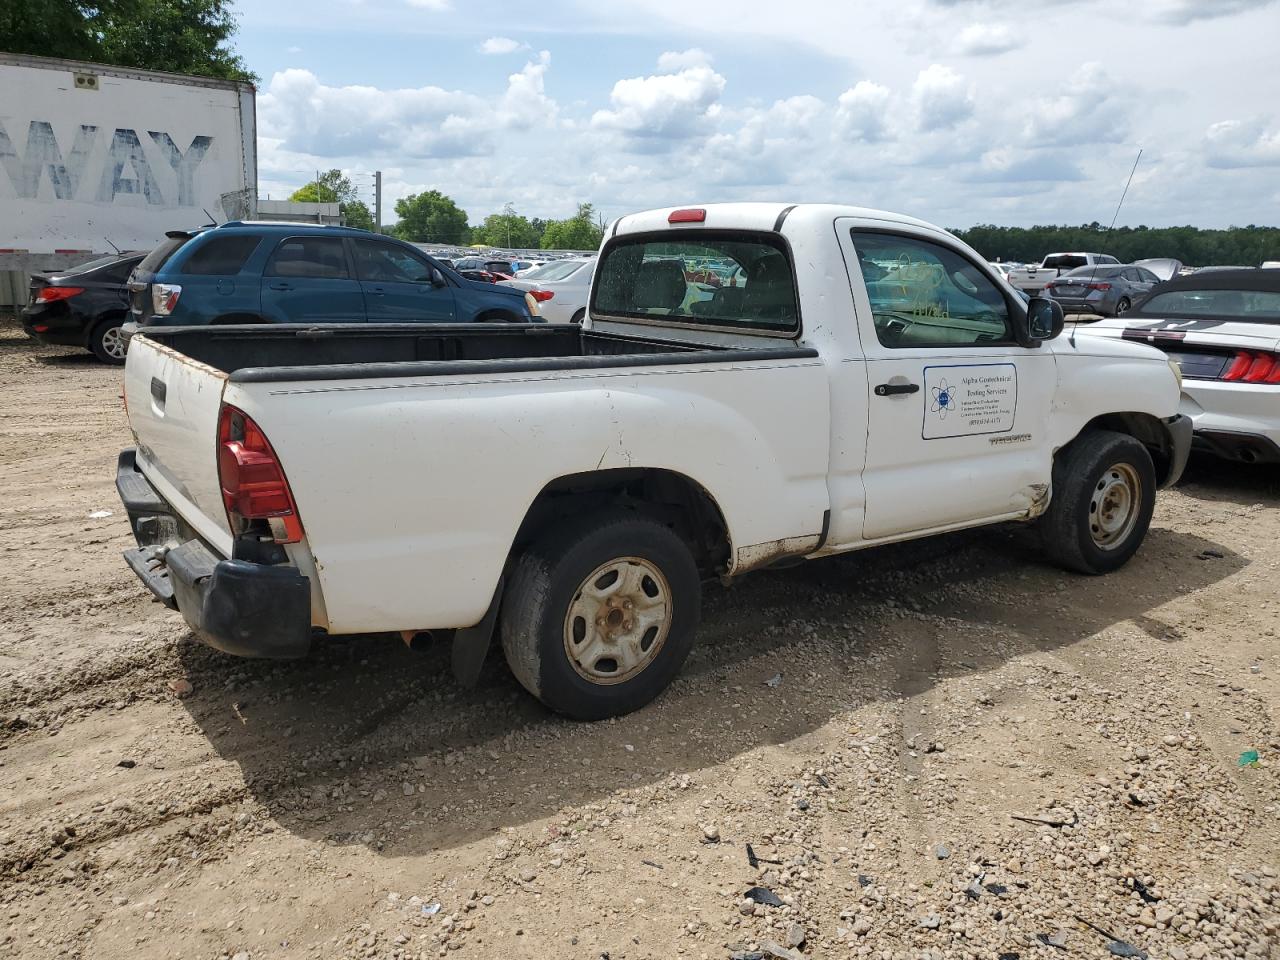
437, 278
1045, 320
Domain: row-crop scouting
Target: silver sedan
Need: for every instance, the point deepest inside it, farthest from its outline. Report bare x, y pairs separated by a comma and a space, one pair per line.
1107, 291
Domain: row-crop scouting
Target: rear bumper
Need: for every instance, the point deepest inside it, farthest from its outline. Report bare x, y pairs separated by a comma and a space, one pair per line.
242, 608
1235, 421
1243, 447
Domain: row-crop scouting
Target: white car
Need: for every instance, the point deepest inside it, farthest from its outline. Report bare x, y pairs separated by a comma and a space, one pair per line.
1223, 329
560, 287
568, 489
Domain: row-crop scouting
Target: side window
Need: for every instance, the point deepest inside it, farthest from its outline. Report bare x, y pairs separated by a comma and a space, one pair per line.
377, 260
924, 294
1132, 274
1147, 276
315, 257
220, 256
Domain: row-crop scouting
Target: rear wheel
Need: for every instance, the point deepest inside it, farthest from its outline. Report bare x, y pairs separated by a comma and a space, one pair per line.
1123, 306
600, 615
107, 342
578, 316
1104, 488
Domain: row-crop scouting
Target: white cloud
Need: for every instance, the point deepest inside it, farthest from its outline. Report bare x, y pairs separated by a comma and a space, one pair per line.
941, 98
1006, 165
525, 102
434, 5
663, 106
673, 61
862, 111
1242, 143
1185, 11
986, 39
496, 46
1090, 108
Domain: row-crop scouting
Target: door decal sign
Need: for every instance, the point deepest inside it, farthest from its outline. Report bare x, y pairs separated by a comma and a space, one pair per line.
969, 400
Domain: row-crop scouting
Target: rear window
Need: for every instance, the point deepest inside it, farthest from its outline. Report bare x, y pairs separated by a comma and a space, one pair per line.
707, 279
158, 257
1094, 271
1064, 261
220, 256
554, 271
1261, 306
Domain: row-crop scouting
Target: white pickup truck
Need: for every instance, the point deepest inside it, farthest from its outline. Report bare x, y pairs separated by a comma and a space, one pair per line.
568, 488
1033, 278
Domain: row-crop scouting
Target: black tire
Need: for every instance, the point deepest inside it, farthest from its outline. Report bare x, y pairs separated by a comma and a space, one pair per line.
547, 583
578, 316
1123, 305
106, 341
1082, 534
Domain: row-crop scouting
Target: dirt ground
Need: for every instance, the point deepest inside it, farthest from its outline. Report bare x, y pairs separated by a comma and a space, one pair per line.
874, 724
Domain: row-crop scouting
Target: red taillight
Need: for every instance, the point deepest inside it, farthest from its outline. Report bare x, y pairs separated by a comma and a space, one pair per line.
1239, 366
1264, 364
542, 296
687, 216
1099, 286
253, 484
50, 294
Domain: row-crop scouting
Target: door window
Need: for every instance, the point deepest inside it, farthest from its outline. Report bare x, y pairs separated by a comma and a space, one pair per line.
379, 261
314, 257
924, 294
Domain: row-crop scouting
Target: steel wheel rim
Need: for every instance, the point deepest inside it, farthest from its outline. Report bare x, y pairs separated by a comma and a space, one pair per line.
1114, 506
114, 344
617, 621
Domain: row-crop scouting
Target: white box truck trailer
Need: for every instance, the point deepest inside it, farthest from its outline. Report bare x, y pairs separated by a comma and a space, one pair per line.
95, 158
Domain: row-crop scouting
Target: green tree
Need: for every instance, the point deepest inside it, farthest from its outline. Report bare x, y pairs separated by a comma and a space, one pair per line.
507, 229
180, 36
431, 217
579, 232
333, 186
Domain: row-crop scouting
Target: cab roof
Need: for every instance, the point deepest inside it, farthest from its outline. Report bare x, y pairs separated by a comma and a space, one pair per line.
755, 216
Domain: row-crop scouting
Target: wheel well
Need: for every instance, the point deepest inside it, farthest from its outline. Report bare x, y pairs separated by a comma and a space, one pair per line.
496, 316
668, 496
104, 317
1143, 427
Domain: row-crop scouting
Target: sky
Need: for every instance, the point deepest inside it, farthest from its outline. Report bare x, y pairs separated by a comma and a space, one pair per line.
1013, 112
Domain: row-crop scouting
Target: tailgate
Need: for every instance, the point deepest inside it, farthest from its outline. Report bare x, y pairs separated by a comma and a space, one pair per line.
173, 411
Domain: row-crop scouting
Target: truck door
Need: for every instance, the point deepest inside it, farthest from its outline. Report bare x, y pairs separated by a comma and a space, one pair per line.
308, 279
957, 411
400, 285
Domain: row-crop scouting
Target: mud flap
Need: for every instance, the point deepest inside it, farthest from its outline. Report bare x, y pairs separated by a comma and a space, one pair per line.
471, 644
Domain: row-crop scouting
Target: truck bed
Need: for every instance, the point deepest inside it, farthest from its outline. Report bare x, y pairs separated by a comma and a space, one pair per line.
344, 351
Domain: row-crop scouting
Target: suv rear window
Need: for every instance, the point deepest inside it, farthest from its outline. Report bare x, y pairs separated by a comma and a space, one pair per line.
220, 256
158, 257
708, 279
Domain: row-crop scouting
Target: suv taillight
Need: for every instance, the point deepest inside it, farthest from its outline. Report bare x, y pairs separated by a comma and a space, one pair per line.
253, 483
164, 297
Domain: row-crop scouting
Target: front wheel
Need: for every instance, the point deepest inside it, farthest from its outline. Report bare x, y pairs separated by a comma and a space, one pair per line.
600, 615
107, 341
1104, 489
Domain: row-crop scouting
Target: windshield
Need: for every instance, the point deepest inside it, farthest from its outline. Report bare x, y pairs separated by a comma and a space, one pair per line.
711, 279
1065, 261
553, 271
1250, 306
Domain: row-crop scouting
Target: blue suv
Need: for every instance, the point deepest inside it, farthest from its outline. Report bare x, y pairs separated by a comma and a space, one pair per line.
257, 272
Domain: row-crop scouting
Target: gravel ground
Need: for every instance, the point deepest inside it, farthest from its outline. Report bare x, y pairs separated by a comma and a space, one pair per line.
853, 743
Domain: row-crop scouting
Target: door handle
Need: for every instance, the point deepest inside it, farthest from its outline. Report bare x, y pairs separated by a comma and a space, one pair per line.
279, 285
376, 291
893, 389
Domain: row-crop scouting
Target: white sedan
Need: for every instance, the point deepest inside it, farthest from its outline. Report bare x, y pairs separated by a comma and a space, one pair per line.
560, 287
1223, 329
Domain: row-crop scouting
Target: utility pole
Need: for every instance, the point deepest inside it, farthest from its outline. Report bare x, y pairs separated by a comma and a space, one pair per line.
377, 200
509, 211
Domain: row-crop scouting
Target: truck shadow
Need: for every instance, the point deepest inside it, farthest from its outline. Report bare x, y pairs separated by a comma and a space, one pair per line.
369, 743
1222, 481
